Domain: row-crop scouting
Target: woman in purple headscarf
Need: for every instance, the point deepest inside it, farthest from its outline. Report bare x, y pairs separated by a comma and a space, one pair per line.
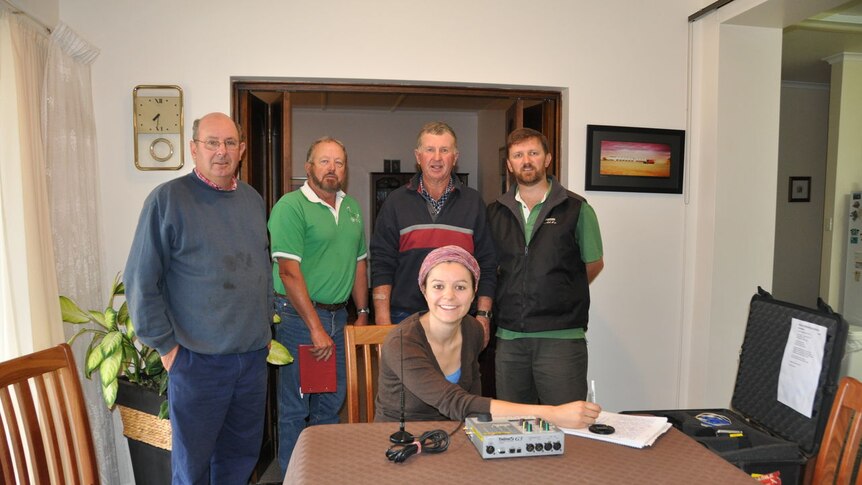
436, 353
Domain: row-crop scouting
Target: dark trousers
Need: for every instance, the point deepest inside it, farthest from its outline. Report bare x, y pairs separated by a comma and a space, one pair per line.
217, 405
541, 371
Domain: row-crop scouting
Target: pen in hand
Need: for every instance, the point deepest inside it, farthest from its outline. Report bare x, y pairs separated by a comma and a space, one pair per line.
597, 428
591, 393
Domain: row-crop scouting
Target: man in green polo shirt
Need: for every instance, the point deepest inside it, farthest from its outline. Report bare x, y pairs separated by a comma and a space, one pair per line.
319, 259
550, 250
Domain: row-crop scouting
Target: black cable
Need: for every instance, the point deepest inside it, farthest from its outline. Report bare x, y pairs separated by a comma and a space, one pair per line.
460, 426
435, 441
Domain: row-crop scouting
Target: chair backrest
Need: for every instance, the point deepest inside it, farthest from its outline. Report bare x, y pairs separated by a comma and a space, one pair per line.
46, 433
840, 446
365, 340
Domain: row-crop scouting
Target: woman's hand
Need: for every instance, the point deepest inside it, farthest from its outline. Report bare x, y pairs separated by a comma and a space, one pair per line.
578, 414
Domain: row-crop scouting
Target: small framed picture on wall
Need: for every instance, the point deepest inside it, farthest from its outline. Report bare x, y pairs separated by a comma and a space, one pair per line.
800, 189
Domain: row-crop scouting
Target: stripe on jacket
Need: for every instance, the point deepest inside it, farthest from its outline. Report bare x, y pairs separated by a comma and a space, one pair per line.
425, 236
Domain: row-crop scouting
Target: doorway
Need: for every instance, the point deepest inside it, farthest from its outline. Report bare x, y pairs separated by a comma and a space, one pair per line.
378, 124
271, 114
804, 227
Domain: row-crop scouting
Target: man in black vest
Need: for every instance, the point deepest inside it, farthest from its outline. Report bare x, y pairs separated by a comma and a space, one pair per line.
550, 250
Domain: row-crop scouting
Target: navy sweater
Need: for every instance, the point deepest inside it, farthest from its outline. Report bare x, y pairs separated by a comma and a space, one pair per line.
199, 272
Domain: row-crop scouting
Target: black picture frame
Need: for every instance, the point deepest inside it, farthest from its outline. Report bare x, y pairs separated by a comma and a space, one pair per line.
799, 189
632, 159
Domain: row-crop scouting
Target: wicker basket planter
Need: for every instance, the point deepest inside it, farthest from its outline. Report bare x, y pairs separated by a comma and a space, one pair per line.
149, 437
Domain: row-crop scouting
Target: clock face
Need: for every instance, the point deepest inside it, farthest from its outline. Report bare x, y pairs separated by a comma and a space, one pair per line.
158, 114
157, 117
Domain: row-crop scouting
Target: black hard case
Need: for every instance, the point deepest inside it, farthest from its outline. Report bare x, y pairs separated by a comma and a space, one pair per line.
775, 437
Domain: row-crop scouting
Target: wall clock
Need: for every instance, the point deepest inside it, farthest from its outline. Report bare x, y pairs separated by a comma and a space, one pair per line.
157, 115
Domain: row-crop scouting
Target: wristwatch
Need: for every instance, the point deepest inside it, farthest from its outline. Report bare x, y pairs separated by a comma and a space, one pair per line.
483, 313
365, 310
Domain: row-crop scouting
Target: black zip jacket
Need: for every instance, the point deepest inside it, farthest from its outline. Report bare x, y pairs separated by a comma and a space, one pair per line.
542, 286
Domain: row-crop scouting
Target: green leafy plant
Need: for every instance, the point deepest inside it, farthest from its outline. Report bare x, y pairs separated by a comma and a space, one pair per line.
278, 354
114, 349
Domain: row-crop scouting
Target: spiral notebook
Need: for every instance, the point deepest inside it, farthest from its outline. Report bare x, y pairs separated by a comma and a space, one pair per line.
316, 376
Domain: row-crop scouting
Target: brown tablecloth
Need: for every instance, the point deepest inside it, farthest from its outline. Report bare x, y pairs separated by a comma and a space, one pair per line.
355, 454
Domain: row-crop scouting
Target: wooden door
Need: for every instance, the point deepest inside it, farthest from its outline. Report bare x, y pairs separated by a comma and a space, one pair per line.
264, 119
543, 116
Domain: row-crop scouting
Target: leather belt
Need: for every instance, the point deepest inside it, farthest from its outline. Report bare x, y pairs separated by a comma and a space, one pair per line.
332, 307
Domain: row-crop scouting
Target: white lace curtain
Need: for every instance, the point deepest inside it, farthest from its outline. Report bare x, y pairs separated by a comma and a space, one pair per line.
48, 191
73, 183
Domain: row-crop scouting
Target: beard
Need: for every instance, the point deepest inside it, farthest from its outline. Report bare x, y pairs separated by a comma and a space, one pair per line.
531, 177
326, 184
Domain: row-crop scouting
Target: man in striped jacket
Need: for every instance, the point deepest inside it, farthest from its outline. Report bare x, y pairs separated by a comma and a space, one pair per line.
434, 209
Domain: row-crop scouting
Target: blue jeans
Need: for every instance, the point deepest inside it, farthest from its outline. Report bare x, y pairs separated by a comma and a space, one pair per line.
396, 315
297, 410
217, 405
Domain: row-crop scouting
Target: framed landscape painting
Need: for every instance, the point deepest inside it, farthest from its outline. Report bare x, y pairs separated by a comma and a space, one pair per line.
629, 159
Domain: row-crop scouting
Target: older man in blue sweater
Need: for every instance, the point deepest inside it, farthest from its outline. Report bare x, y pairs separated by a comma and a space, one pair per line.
198, 283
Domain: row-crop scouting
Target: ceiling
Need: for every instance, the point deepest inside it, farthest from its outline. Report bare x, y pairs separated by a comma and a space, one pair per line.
807, 43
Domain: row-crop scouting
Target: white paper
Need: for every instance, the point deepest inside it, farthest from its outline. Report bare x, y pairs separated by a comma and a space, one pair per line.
800, 366
629, 430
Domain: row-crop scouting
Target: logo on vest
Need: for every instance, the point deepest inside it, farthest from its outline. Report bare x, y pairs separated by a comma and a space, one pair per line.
550, 220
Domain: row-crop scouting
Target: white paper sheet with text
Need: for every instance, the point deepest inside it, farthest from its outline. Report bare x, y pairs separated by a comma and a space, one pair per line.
630, 430
800, 366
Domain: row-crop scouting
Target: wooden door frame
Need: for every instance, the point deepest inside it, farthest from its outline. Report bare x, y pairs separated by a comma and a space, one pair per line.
241, 87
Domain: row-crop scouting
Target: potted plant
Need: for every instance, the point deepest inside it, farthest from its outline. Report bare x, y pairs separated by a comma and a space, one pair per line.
122, 361
114, 349
133, 378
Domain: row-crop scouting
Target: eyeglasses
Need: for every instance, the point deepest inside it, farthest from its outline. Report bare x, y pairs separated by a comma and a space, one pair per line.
212, 144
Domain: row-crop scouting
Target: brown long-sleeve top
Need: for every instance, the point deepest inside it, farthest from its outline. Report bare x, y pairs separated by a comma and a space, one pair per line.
428, 396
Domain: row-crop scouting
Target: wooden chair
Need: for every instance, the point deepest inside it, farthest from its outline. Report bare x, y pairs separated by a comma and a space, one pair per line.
46, 433
362, 340
840, 446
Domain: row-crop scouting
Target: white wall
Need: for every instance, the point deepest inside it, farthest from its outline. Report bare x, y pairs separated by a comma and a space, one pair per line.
45, 11
799, 225
749, 76
200, 45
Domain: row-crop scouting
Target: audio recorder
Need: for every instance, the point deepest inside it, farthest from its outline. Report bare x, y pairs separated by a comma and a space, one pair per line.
513, 437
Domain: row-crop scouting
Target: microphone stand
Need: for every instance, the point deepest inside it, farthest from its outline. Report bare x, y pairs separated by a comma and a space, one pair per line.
401, 437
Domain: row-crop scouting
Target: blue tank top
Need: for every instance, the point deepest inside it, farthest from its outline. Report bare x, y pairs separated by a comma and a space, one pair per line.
454, 377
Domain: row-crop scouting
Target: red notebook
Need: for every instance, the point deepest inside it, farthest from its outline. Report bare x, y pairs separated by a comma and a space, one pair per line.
315, 375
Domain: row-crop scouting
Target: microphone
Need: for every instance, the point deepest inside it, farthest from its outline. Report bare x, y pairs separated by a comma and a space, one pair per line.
401, 437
